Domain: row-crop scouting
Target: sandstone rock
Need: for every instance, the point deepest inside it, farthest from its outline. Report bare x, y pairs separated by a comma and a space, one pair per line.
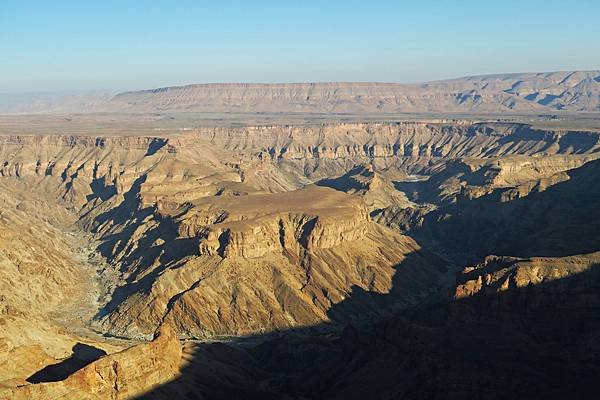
219, 231
122, 375
259, 268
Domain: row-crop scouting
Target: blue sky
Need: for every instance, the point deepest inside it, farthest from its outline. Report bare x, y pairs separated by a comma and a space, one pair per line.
118, 45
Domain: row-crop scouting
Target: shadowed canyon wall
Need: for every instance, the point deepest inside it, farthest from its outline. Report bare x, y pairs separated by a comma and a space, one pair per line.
286, 234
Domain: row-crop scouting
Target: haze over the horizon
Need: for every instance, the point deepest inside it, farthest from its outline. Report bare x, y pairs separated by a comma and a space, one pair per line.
122, 45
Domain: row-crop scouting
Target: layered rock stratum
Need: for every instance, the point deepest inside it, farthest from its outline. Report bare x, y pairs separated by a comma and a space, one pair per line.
574, 91
121, 375
310, 261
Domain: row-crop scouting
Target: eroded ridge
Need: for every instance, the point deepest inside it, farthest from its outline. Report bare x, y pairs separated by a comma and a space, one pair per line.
251, 232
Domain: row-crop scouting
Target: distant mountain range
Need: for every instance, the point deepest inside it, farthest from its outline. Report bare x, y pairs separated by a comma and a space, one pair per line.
577, 91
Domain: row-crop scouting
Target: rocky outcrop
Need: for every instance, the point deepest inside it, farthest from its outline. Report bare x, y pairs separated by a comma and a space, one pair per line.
261, 262
471, 217
376, 188
535, 338
403, 139
514, 176
498, 274
311, 218
85, 170
122, 375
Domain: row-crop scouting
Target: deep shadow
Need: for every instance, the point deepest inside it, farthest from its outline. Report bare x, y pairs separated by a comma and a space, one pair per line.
536, 342
415, 281
223, 240
100, 190
347, 181
83, 354
562, 220
547, 99
155, 145
234, 370
579, 142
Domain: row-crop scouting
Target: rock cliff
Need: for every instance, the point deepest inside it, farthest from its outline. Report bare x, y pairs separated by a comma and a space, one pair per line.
574, 91
255, 231
255, 269
123, 375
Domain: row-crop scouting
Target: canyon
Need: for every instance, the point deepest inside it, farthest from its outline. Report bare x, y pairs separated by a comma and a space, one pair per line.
438, 258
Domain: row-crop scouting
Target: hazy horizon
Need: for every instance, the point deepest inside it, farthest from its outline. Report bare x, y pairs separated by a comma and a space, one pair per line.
120, 90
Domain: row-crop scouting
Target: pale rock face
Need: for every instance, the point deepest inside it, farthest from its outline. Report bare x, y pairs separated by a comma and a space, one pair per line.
252, 237
206, 190
244, 231
573, 91
268, 267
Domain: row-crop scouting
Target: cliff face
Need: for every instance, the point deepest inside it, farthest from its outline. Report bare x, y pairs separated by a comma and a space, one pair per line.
122, 375
254, 268
246, 231
497, 274
197, 207
113, 163
403, 139
547, 216
311, 218
575, 91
